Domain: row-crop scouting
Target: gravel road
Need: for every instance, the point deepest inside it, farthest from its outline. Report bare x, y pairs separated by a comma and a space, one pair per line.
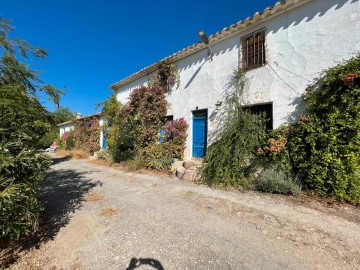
103, 218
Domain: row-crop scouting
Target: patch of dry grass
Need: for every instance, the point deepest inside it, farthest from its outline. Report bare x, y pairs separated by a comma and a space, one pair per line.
94, 197
79, 154
108, 212
75, 154
62, 153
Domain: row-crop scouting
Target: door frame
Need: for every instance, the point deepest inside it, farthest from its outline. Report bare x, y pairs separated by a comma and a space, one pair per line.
194, 116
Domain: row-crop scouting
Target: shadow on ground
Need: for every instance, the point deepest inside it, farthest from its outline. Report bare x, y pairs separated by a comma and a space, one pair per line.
135, 263
63, 192
57, 160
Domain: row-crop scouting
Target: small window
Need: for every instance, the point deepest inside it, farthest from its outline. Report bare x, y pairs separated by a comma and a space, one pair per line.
266, 109
164, 137
253, 49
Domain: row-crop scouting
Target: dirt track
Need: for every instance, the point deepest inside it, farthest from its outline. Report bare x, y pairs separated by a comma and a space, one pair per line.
103, 218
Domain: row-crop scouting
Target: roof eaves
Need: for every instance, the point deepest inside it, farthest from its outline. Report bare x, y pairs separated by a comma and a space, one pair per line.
86, 116
227, 32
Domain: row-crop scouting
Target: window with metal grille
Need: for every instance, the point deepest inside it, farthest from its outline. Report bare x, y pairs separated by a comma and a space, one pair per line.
253, 49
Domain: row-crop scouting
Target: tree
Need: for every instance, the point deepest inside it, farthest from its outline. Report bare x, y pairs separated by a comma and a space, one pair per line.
23, 122
60, 115
63, 114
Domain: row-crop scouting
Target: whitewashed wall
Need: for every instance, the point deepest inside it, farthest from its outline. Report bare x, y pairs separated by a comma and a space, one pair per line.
66, 128
299, 45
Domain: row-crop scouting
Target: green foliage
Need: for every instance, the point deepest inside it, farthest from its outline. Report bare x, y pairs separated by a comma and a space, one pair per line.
176, 134
134, 127
230, 161
105, 154
87, 134
21, 172
166, 77
23, 121
156, 157
273, 153
111, 110
274, 181
62, 115
325, 144
139, 122
59, 116
19, 111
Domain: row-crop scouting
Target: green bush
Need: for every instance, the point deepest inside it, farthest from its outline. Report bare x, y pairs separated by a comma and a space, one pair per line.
105, 154
22, 171
230, 161
135, 164
324, 146
273, 181
156, 157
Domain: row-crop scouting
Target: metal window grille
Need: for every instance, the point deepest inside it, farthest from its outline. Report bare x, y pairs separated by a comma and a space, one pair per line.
253, 49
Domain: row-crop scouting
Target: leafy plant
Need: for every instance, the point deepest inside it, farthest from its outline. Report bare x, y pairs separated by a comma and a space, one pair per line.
275, 181
176, 132
230, 160
23, 122
325, 144
156, 157
22, 171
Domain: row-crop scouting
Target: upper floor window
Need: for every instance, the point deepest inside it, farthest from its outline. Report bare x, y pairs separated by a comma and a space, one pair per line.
253, 49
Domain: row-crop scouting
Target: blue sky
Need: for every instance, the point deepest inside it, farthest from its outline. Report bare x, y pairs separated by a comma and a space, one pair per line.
92, 44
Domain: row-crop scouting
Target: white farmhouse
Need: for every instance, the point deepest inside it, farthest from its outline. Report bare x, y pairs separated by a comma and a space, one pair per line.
282, 49
70, 125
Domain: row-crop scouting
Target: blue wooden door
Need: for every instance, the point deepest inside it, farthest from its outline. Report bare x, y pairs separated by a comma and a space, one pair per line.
199, 135
104, 139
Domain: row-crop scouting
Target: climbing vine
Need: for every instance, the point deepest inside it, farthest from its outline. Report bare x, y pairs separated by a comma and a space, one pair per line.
85, 136
137, 123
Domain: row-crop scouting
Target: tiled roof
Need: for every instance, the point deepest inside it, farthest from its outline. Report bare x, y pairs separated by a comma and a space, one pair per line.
233, 29
83, 117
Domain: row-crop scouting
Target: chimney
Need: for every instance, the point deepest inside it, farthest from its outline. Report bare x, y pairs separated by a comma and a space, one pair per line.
78, 115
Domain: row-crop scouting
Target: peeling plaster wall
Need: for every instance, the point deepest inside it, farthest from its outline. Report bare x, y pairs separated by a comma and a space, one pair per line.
300, 43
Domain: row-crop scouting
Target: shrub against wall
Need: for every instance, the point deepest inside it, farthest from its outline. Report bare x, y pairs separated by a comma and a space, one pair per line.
85, 136
230, 161
324, 145
176, 134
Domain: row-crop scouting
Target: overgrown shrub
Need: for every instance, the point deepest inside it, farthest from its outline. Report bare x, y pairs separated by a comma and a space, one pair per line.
87, 134
156, 157
324, 145
273, 153
106, 154
23, 122
21, 172
274, 181
230, 160
140, 122
176, 132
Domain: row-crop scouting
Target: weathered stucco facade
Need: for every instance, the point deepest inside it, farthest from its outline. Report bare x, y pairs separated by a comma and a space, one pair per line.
302, 39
